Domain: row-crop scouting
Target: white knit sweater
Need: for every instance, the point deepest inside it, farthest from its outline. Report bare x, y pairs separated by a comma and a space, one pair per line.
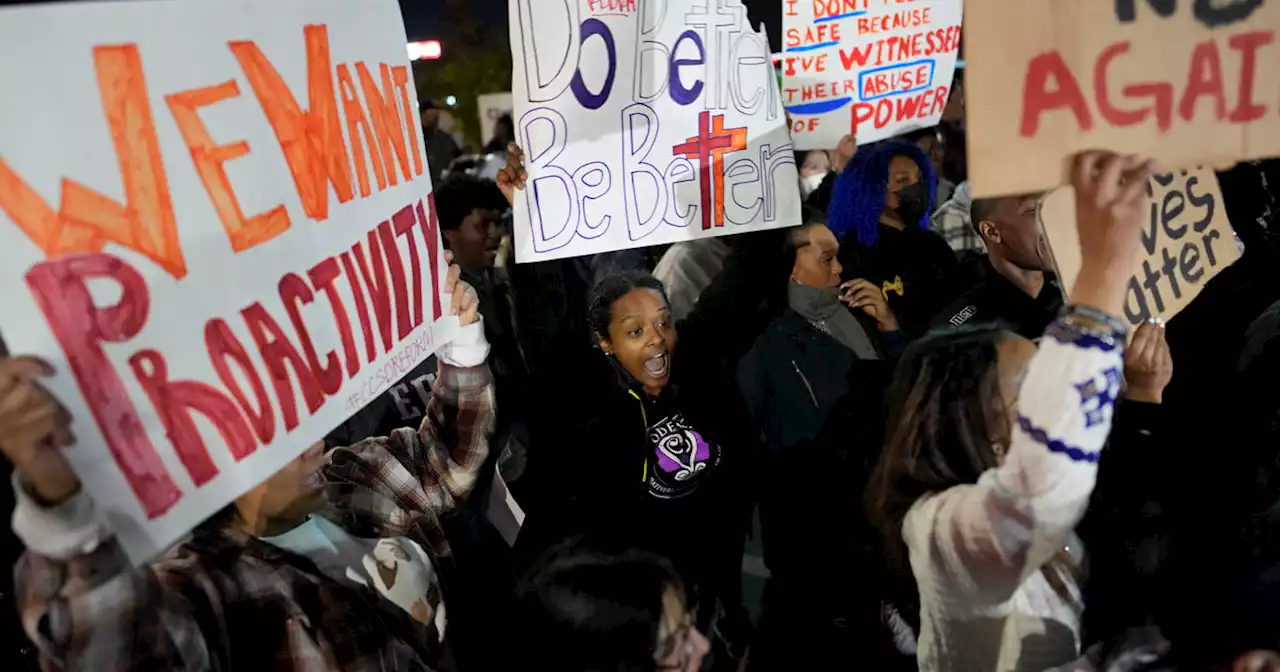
977, 550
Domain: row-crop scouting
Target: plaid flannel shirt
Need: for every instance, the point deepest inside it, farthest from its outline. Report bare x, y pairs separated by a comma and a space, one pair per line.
224, 600
953, 223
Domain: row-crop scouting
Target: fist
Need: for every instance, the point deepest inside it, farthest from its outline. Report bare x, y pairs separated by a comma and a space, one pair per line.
847, 147
463, 300
34, 428
1148, 366
513, 175
1111, 191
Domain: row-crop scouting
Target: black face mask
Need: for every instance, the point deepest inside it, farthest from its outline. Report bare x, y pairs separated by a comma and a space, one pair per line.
913, 203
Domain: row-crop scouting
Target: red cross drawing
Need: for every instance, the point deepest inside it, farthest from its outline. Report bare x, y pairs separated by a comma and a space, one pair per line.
709, 146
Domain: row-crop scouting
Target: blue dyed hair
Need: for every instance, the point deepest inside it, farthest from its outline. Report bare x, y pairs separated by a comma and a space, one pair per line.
859, 194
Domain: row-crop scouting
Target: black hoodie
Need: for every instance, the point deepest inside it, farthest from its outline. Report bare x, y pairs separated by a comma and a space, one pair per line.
606, 467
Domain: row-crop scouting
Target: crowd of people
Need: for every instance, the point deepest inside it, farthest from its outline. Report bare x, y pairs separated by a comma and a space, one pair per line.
953, 465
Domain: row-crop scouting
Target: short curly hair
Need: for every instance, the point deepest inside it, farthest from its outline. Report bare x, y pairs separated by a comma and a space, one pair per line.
458, 195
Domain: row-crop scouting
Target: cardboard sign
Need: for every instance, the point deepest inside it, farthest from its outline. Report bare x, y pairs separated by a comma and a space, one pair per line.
216, 221
645, 122
880, 67
1186, 241
1183, 81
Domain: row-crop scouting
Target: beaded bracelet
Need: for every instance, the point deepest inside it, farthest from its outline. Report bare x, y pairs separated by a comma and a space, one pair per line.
1080, 323
1108, 322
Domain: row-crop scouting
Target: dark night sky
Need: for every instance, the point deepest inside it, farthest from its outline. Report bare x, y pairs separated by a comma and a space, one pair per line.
427, 19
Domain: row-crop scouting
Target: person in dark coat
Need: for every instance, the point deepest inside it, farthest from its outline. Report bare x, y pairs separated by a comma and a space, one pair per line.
814, 383
879, 209
1018, 287
653, 447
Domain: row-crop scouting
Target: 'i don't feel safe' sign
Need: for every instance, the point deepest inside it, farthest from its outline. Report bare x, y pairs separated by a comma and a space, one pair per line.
880, 67
645, 122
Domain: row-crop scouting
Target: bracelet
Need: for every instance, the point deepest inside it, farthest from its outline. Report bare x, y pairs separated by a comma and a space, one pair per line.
1094, 319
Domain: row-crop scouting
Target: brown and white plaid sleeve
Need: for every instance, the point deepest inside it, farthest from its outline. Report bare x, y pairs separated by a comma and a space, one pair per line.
96, 612
447, 450
404, 482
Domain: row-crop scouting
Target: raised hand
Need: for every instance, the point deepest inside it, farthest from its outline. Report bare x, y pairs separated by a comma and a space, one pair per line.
513, 175
1110, 193
847, 147
34, 428
1148, 366
464, 302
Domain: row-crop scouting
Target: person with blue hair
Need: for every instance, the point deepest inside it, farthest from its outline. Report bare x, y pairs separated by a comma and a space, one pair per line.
880, 207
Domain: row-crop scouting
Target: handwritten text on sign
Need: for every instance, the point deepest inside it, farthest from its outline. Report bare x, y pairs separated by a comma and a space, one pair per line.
644, 123
1186, 241
215, 220
1183, 81
884, 64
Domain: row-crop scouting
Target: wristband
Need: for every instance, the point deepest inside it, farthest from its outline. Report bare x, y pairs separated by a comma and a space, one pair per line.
1087, 317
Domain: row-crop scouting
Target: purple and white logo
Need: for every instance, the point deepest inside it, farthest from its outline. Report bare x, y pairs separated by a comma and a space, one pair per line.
681, 455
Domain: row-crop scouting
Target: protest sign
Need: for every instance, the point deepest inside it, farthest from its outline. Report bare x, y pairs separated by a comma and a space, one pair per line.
645, 122
1186, 241
882, 67
216, 222
492, 106
1183, 81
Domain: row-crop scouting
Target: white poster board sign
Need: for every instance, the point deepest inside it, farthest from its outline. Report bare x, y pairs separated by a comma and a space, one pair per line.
645, 122
216, 222
880, 67
492, 106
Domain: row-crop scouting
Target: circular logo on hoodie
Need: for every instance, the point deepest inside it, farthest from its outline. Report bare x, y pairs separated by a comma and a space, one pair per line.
681, 458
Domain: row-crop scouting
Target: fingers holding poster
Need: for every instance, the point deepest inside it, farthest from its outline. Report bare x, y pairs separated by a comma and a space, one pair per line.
1186, 242
645, 122
881, 67
222, 239
1182, 81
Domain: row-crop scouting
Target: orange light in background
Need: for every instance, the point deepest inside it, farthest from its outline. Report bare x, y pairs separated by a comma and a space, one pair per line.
424, 51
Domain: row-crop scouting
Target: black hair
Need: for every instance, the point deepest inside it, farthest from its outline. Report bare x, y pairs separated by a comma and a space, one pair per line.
608, 290
980, 209
945, 411
985, 208
797, 237
940, 408
426, 104
583, 608
460, 193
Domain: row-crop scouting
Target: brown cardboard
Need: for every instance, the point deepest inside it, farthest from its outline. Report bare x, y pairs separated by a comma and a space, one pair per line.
1186, 204
1004, 38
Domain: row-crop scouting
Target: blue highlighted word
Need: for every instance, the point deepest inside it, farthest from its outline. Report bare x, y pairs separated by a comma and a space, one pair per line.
862, 78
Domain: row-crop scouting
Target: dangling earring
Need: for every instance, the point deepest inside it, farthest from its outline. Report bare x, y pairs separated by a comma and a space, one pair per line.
999, 449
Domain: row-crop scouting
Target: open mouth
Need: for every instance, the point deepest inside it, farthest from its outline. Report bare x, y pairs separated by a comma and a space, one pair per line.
658, 365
